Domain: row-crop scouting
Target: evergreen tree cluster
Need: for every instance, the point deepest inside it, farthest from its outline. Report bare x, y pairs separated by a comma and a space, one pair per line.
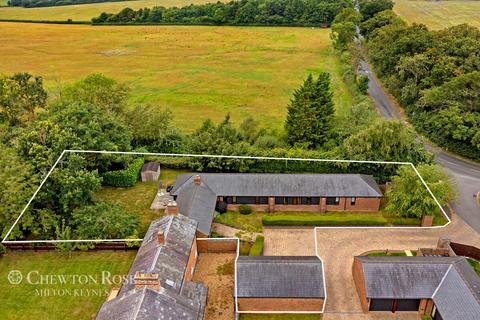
311, 112
244, 12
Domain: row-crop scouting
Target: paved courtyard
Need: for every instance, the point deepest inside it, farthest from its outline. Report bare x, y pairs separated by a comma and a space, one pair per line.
337, 247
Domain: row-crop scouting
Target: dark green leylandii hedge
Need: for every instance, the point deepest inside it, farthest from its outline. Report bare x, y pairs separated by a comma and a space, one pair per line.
126, 177
257, 248
321, 220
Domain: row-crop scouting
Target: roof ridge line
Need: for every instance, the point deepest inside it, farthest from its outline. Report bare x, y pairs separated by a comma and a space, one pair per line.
137, 311
465, 281
441, 281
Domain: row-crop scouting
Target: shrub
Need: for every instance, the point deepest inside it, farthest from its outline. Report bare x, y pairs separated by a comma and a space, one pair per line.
3, 249
221, 207
362, 84
126, 177
245, 209
257, 248
322, 220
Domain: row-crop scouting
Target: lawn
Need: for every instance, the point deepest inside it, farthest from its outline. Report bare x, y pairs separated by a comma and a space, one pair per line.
280, 317
78, 301
85, 12
439, 14
137, 199
475, 265
197, 72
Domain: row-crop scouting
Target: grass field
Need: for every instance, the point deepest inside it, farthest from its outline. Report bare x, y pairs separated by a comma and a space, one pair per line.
85, 12
25, 301
197, 72
439, 14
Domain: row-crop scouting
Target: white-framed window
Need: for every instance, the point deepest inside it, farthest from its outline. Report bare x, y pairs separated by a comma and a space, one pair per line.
353, 201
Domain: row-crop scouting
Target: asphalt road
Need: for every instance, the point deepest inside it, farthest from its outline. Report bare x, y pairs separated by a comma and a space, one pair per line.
466, 174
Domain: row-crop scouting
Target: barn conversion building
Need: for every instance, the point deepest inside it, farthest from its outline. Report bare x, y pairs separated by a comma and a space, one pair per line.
442, 287
159, 281
198, 193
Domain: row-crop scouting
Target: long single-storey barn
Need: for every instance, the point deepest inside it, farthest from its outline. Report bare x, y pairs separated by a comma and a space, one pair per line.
198, 193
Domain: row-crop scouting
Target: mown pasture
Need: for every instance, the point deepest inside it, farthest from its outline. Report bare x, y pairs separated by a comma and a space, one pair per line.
197, 72
439, 14
85, 12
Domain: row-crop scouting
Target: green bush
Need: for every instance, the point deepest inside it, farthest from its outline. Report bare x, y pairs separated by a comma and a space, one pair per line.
322, 220
245, 209
257, 248
3, 249
126, 177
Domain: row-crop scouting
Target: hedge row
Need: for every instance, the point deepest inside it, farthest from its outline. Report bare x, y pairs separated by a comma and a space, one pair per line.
257, 247
124, 178
322, 220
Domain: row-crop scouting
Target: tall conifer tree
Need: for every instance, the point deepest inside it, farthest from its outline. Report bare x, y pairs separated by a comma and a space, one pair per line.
310, 112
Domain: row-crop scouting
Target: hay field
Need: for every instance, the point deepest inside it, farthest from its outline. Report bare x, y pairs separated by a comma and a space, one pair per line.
197, 72
439, 14
85, 12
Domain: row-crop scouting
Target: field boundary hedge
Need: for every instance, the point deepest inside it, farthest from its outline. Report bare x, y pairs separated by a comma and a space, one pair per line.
257, 247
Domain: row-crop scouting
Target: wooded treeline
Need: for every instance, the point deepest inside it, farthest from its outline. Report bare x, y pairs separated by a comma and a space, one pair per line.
435, 75
244, 12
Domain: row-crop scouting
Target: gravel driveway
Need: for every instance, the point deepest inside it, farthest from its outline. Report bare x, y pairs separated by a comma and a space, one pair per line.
337, 247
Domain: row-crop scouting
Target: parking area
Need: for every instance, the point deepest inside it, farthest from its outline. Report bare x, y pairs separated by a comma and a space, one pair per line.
338, 246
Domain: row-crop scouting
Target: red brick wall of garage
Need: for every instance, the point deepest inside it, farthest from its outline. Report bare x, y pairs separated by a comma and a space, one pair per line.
192, 261
359, 280
280, 304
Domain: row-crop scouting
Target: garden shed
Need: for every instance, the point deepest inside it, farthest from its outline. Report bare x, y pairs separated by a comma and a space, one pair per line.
150, 171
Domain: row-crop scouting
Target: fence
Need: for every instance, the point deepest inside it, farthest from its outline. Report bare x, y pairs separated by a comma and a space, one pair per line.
465, 250
52, 247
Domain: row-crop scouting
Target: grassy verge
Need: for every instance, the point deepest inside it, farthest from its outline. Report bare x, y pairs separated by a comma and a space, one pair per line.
326, 219
475, 265
391, 254
58, 301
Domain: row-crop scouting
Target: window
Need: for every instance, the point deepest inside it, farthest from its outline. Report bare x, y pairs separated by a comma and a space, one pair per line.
279, 200
228, 200
262, 200
333, 201
246, 200
315, 200
306, 200
353, 201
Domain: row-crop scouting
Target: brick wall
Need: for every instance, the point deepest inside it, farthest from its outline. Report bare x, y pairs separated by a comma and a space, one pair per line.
279, 304
361, 204
217, 245
359, 280
192, 261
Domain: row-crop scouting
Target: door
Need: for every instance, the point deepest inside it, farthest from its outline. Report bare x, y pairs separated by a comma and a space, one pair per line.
381, 304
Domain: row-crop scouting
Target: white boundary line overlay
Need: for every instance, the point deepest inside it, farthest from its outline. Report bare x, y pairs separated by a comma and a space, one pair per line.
212, 156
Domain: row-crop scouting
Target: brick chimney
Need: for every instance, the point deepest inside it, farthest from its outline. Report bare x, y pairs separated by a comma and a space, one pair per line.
197, 180
443, 242
161, 236
142, 279
172, 208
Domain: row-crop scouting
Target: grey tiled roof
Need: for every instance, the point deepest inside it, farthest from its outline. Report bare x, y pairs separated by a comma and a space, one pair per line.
168, 260
198, 203
309, 185
279, 277
458, 296
149, 304
449, 281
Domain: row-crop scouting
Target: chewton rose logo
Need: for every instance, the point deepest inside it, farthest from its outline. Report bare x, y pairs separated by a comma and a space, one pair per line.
15, 277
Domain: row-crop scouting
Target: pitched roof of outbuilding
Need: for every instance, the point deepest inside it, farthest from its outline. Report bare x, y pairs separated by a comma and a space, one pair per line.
151, 166
279, 277
449, 281
168, 260
198, 203
266, 184
147, 303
